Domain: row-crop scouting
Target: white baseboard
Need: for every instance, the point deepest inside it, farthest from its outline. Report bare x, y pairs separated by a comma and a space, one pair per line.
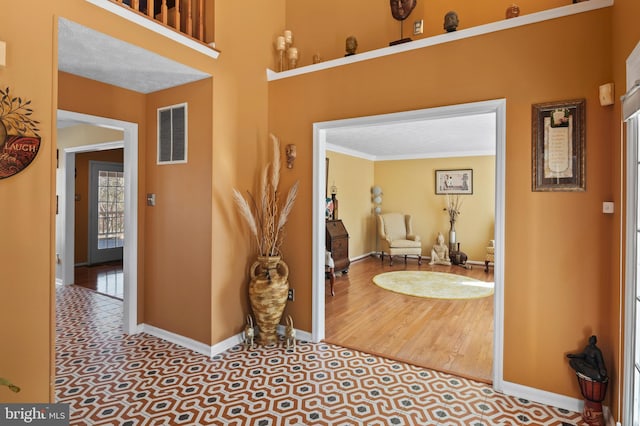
300, 335
552, 399
177, 339
204, 349
59, 281
542, 397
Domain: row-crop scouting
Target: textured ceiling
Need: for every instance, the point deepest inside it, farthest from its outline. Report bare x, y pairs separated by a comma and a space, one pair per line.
430, 138
96, 56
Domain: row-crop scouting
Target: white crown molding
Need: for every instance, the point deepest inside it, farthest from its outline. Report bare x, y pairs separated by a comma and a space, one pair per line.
156, 27
532, 18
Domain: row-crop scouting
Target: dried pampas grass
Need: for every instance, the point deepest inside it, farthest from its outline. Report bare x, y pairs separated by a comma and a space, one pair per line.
265, 217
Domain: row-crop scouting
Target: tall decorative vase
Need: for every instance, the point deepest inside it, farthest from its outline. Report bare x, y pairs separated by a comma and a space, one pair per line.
268, 291
452, 236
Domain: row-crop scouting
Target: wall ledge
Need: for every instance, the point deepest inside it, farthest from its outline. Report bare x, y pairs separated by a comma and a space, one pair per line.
506, 24
156, 27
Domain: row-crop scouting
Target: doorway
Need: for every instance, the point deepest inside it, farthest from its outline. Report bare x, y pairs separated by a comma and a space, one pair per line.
106, 211
321, 130
66, 218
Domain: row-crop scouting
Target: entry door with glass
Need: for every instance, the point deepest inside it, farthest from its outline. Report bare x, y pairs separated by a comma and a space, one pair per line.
106, 211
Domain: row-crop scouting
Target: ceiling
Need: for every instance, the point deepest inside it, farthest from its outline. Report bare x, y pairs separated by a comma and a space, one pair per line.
459, 136
97, 56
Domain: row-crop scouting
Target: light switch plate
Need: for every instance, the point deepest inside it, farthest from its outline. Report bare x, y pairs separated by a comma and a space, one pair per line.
3, 54
418, 27
607, 207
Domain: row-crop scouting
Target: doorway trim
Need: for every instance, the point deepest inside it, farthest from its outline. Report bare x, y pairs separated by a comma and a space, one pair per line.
130, 255
320, 129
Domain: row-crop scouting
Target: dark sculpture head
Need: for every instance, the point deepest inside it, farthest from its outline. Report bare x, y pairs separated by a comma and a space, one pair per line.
451, 21
401, 9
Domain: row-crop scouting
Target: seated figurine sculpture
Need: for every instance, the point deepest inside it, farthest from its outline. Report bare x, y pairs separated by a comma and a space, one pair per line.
440, 252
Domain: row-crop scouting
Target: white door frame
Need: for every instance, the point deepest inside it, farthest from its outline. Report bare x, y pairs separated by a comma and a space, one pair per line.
130, 257
320, 129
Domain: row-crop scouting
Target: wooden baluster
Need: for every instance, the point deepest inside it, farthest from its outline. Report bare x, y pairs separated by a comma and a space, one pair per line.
151, 7
135, 5
201, 20
176, 24
189, 28
163, 12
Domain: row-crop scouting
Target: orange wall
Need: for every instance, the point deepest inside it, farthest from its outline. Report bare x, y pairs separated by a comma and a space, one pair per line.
177, 241
322, 27
241, 148
81, 232
28, 199
558, 260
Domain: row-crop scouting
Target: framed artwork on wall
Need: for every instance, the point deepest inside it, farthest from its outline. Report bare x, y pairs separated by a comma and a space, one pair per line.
558, 146
458, 181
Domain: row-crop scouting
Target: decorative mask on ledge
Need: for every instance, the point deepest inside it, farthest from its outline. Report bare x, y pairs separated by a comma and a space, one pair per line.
401, 9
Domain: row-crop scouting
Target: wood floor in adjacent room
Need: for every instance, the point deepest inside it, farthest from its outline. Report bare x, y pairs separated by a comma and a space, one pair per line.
453, 336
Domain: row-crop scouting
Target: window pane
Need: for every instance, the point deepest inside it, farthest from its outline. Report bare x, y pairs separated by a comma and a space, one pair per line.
110, 210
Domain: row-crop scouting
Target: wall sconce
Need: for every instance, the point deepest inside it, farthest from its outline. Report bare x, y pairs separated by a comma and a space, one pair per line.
3, 53
291, 155
606, 94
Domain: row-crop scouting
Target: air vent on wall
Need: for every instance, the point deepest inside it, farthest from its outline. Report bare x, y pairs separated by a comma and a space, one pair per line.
172, 134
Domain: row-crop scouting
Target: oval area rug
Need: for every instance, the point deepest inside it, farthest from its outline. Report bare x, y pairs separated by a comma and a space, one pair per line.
436, 285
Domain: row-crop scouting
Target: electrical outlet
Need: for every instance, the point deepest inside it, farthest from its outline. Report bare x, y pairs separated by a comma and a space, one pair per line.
291, 295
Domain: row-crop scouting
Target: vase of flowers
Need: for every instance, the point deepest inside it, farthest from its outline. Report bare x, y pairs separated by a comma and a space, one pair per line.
266, 217
453, 209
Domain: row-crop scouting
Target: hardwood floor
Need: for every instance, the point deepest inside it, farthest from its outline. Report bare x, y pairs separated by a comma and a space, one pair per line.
105, 278
454, 336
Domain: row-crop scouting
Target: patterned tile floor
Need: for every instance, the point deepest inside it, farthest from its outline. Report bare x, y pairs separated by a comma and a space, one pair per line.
112, 379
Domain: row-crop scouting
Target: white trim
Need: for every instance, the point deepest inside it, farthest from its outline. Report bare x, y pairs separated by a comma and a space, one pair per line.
633, 67
543, 397
552, 399
320, 130
631, 270
441, 154
506, 24
194, 345
130, 258
300, 334
628, 298
205, 349
156, 27
498, 265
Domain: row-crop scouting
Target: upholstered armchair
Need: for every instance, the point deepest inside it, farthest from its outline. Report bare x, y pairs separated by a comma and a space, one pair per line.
489, 257
397, 238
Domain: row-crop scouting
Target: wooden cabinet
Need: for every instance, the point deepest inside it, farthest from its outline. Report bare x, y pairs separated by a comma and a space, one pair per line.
337, 242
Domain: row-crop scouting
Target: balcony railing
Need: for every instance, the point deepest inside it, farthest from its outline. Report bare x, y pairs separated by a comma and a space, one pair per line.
188, 17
